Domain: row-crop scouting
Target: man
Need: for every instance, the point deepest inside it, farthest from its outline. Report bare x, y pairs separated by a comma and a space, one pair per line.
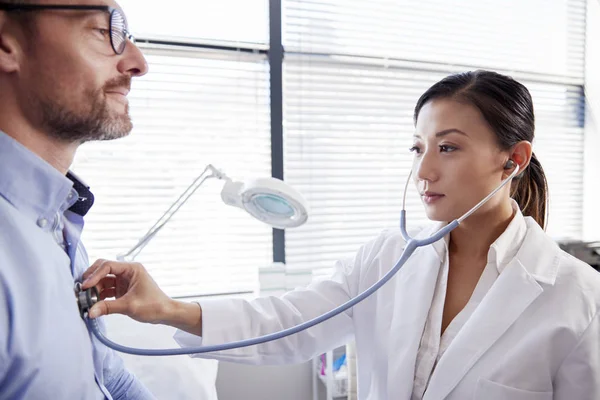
65, 72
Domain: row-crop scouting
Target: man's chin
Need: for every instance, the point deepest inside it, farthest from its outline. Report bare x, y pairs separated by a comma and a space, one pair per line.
113, 135
115, 129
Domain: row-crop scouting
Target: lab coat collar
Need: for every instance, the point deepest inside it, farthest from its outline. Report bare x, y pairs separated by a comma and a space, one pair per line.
416, 280
514, 290
541, 265
507, 299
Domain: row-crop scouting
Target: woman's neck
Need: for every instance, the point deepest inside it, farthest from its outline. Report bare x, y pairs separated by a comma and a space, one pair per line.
474, 236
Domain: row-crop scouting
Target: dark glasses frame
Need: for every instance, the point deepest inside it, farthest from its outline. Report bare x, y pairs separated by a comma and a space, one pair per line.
118, 36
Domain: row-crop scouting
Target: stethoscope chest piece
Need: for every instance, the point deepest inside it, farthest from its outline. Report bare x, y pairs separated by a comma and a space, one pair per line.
85, 298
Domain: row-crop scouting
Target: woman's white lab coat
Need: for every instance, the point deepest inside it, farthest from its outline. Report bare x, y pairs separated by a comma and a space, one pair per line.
535, 335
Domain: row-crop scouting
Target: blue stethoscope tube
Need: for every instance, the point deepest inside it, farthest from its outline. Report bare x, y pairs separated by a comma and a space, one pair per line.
409, 249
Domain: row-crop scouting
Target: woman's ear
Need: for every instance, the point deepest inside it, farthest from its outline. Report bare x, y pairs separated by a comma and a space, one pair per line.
520, 155
9, 45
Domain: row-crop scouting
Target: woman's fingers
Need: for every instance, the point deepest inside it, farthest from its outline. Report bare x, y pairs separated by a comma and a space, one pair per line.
137, 294
108, 293
102, 268
92, 268
106, 307
107, 282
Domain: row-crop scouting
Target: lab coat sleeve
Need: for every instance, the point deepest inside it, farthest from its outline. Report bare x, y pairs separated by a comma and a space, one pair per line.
228, 320
579, 375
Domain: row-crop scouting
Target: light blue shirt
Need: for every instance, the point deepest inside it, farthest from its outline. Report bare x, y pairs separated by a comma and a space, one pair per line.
45, 348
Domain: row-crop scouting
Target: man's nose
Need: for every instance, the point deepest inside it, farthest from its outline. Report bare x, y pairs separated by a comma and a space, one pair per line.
133, 62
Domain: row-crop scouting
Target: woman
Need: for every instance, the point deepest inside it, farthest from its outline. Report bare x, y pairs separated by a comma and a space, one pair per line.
494, 311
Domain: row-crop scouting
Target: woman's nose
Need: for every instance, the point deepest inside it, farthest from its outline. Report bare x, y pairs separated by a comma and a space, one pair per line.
425, 167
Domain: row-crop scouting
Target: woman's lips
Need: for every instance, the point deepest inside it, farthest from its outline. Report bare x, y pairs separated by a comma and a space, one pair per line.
431, 197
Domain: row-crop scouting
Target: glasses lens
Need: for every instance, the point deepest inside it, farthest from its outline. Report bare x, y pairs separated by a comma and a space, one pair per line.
118, 27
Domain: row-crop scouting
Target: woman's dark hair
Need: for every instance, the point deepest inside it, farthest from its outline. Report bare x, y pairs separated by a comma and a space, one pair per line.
507, 107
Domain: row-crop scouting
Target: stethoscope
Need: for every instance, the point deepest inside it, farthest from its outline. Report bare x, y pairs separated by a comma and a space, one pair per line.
89, 297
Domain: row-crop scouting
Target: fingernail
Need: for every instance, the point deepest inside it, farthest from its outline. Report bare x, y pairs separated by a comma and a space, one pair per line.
93, 313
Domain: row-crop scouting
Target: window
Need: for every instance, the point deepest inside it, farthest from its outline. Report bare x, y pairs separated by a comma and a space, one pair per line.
353, 73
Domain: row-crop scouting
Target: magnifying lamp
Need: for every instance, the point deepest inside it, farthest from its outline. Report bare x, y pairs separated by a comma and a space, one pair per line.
269, 200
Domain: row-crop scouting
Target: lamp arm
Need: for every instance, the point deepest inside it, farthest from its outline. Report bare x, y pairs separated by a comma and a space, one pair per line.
209, 172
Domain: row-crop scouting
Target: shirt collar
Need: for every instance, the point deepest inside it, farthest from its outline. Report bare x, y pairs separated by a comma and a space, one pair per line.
505, 248
32, 185
85, 199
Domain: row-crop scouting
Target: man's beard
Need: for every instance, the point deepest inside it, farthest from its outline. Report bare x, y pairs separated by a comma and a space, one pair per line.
76, 126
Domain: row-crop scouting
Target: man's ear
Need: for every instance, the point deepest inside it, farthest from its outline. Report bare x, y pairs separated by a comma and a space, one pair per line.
10, 48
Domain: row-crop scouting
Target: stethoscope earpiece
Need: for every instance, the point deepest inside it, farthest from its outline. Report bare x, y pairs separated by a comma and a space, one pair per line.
510, 164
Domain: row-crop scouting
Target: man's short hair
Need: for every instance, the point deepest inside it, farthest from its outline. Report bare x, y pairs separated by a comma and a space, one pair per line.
24, 18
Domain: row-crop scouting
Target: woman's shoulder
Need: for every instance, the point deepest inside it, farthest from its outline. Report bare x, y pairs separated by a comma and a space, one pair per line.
573, 280
579, 274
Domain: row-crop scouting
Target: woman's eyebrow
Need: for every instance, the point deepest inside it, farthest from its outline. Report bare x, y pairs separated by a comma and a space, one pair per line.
444, 133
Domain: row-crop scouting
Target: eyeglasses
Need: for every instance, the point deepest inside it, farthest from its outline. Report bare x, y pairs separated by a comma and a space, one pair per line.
117, 22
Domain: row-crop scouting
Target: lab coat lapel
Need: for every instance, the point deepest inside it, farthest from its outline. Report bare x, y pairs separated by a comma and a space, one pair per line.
515, 289
414, 287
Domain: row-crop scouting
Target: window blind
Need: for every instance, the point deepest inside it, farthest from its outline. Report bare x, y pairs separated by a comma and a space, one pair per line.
353, 73
206, 20
536, 36
193, 108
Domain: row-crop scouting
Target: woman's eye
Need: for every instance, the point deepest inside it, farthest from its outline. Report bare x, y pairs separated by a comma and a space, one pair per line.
444, 148
415, 149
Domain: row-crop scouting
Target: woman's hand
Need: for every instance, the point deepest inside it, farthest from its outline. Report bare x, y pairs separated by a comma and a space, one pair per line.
137, 294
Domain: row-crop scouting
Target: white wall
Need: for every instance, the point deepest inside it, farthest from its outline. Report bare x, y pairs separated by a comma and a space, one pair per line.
591, 200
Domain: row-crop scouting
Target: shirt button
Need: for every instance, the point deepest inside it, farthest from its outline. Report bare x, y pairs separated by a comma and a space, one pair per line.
42, 222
